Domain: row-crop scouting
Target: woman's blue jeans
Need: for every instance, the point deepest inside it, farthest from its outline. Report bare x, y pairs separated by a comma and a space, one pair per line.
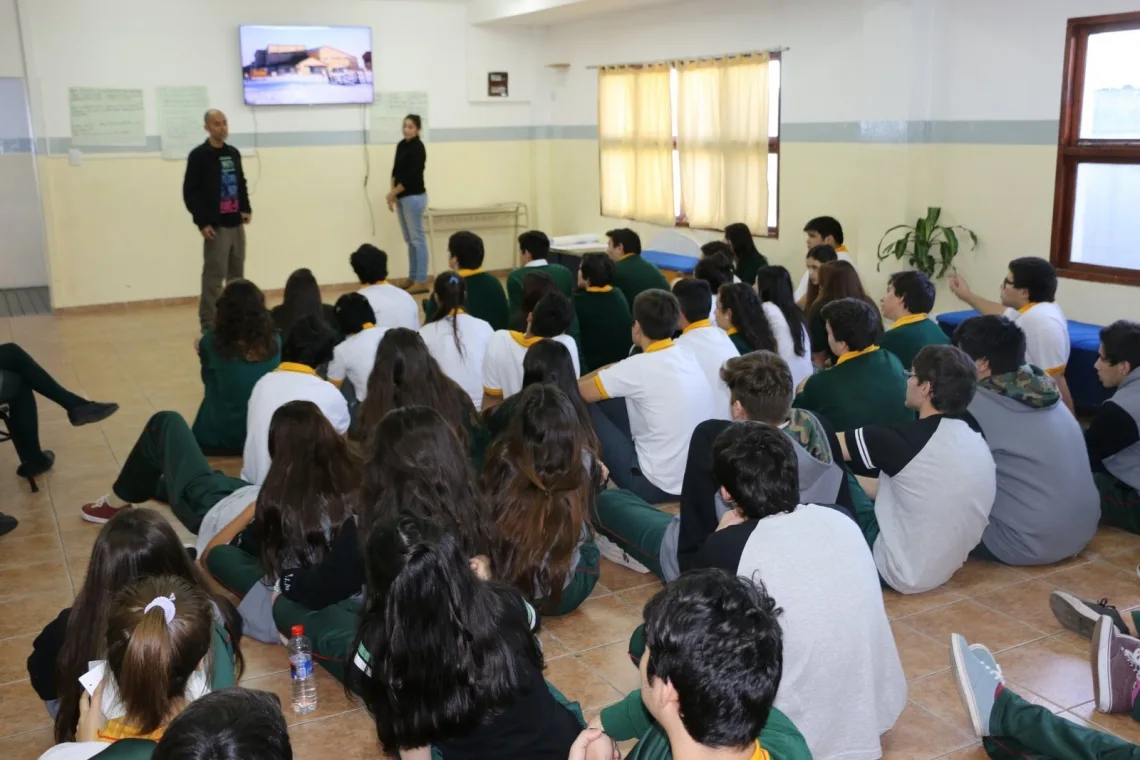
410, 211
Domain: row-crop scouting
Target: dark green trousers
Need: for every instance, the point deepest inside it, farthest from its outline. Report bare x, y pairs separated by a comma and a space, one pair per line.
1022, 731
633, 524
234, 569
1119, 502
166, 461
581, 585
864, 512
331, 630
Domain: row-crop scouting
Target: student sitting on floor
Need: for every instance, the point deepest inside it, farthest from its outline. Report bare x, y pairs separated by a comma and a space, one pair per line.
936, 479
236, 352
1113, 436
710, 344
603, 314
539, 479
302, 299
746, 258
821, 231
291, 538
392, 305
1047, 506
447, 661
353, 357
1012, 728
232, 724
486, 298
715, 269
741, 315
502, 367
908, 303
632, 274
1027, 297
685, 672
159, 649
837, 280
774, 286
535, 285
534, 247
645, 407
455, 339
308, 345
136, 545
866, 386
547, 361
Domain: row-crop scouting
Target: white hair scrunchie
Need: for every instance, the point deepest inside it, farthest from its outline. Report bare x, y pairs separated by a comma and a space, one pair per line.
166, 603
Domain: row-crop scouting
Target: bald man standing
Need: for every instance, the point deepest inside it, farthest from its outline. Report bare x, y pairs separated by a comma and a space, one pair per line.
215, 194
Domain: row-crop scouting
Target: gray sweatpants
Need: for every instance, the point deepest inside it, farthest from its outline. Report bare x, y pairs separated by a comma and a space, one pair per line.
223, 259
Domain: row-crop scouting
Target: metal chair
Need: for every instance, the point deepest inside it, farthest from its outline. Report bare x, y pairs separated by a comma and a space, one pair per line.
6, 436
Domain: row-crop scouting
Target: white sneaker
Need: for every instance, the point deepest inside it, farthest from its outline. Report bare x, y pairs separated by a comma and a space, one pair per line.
617, 555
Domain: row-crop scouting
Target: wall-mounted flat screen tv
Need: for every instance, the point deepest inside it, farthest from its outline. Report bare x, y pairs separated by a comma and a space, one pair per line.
306, 65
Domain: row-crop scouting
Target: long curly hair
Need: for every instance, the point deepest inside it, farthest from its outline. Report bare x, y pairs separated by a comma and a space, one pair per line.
748, 315
243, 329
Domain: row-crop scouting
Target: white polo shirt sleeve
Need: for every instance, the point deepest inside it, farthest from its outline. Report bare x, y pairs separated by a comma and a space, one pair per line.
621, 380
338, 367
495, 364
335, 408
572, 347
1046, 336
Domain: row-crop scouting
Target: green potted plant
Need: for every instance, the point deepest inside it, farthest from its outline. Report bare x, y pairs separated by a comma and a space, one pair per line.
927, 246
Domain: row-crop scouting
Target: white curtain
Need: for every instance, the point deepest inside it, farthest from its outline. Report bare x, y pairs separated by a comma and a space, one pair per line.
722, 138
635, 138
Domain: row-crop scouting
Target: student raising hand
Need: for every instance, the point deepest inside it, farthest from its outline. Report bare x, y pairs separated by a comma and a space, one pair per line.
592, 744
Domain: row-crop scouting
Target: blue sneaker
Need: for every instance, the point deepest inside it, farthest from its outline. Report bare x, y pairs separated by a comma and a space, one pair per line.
978, 677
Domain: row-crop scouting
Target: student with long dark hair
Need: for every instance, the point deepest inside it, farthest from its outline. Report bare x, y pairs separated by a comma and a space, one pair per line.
740, 314
547, 361
788, 323
455, 339
447, 660
136, 544
744, 251
540, 477
837, 280
159, 647
816, 257
302, 299
236, 352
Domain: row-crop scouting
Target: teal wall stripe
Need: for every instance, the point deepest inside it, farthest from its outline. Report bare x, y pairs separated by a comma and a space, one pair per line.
1042, 132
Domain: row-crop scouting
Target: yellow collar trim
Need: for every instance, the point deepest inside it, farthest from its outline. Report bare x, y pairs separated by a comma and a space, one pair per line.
697, 325
469, 272
842, 249
626, 256
367, 326
603, 289
732, 331
522, 340
378, 282
1027, 307
760, 753
453, 312
852, 354
909, 319
116, 729
303, 369
659, 345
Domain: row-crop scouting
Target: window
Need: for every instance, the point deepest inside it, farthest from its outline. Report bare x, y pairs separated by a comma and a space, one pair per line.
723, 145
1098, 155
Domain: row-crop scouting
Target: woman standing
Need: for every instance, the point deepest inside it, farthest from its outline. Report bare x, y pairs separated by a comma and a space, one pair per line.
408, 198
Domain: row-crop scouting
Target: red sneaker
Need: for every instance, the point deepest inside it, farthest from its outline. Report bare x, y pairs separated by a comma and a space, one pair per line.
100, 511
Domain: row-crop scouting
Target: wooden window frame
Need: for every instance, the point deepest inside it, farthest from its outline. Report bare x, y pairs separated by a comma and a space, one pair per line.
1072, 151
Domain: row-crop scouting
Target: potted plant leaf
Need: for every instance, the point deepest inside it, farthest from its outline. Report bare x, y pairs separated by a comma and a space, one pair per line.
927, 246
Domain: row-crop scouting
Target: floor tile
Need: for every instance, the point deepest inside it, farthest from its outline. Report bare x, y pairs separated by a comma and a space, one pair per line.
596, 623
21, 709
1098, 580
618, 578
27, 746
920, 654
1049, 668
14, 657
349, 736
938, 695
969, 753
901, 605
580, 684
1027, 602
17, 551
331, 699
975, 622
1120, 725
640, 596
612, 663
1109, 541
262, 659
33, 579
978, 576
29, 614
919, 735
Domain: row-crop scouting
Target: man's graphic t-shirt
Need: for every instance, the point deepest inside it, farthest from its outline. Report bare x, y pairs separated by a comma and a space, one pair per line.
231, 205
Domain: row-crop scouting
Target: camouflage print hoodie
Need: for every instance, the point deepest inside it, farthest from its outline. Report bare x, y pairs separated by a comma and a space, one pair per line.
1030, 386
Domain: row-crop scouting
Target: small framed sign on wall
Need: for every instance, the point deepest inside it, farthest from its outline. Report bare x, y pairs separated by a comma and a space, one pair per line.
497, 84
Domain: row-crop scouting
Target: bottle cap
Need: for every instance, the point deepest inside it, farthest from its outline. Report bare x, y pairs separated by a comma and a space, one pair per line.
297, 630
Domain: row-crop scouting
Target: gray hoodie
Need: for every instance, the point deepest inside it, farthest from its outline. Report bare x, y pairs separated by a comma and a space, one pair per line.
1047, 506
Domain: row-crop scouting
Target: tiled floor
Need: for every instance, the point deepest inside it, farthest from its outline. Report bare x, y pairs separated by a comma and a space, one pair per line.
145, 361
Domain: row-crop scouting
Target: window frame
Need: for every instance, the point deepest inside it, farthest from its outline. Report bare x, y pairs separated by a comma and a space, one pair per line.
1072, 151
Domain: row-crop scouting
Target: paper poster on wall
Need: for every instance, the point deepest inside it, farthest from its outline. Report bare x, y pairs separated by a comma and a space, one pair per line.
180, 119
107, 118
388, 112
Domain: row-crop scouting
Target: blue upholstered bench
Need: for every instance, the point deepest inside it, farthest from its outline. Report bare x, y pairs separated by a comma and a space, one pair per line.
671, 261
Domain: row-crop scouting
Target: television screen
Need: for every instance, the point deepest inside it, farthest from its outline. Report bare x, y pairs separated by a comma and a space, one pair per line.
306, 65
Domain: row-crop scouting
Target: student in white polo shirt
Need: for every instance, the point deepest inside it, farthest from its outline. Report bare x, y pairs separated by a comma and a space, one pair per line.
354, 356
308, 344
457, 340
646, 407
503, 364
710, 344
392, 305
1027, 294
823, 230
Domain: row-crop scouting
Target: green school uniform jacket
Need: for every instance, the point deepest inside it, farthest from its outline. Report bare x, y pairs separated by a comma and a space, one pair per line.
633, 274
746, 270
629, 719
911, 334
863, 388
561, 275
741, 343
220, 423
606, 324
486, 299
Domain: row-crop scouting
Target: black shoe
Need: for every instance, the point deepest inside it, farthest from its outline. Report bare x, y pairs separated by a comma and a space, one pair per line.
7, 524
92, 411
32, 470
1080, 616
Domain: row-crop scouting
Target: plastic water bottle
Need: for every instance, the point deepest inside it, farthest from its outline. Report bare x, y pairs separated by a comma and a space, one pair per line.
301, 671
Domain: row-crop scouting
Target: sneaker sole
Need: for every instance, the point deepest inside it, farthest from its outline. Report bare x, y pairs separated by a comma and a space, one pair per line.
94, 519
1102, 666
1073, 614
964, 689
619, 556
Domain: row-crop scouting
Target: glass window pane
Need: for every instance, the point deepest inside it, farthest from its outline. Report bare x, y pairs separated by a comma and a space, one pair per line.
773, 188
1110, 107
1104, 216
774, 98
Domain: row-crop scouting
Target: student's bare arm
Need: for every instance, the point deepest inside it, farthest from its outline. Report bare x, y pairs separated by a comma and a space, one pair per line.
237, 525
589, 389
961, 288
1063, 387
870, 485
843, 447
